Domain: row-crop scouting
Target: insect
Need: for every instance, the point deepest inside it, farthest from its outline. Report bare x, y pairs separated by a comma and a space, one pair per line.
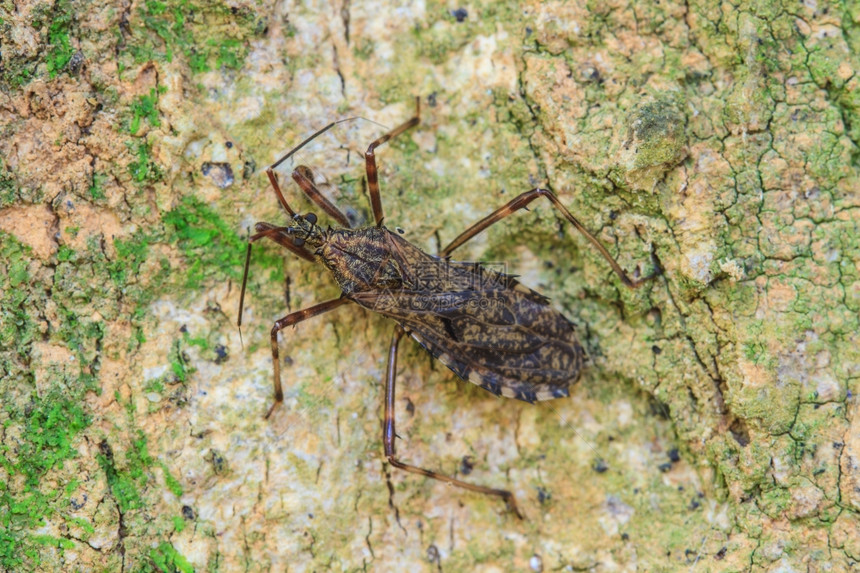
482, 324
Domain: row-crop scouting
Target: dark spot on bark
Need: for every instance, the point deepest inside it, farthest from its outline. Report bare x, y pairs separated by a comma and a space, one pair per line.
467, 464
220, 173
220, 354
460, 14
543, 495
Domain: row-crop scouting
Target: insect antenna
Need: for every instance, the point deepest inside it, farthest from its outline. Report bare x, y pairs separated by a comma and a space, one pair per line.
242, 295
316, 134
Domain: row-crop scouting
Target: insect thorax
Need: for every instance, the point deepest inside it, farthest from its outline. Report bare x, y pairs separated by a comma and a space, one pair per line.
361, 259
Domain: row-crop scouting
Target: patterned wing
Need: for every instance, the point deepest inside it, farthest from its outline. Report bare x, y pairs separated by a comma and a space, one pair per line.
507, 340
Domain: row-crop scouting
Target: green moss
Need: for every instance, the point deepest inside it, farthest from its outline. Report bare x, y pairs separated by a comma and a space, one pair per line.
60, 49
145, 107
178, 365
83, 336
48, 428
144, 170
126, 478
83, 524
130, 254
172, 483
17, 328
168, 560
8, 186
47, 436
178, 524
53, 24
205, 33
65, 254
230, 53
209, 245
96, 189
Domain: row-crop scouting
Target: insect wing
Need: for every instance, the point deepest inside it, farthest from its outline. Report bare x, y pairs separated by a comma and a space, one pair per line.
508, 340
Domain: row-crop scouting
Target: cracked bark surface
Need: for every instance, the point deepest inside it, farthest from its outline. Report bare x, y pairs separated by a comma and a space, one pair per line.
716, 427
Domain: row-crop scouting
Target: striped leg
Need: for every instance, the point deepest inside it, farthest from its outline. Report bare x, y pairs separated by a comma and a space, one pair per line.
389, 434
304, 178
520, 202
289, 320
370, 162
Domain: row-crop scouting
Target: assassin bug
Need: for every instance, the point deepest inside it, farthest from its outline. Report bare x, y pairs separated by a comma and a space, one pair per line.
482, 324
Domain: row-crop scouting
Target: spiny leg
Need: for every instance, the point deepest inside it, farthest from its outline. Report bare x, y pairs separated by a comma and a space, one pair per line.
521, 201
304, 178
388, 435
370, 162
289, 320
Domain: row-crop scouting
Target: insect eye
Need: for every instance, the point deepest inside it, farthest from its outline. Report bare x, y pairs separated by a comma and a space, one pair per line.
311, 218
298, 241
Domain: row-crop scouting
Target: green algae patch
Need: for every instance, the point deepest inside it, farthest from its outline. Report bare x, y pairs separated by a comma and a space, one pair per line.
145, 107
739, 176
48, 47
9, 188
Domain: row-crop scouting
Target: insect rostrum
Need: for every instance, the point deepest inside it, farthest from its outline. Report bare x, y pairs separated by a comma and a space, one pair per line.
481, 323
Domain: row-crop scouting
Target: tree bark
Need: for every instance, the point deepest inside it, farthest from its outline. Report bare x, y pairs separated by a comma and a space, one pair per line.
715, 427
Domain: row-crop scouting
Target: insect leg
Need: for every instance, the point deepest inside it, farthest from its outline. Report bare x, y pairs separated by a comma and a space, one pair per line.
370, 162
278, 235
289, 320
520, 202
273, 179
389, 434
304, 178
270, 171
265, 230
